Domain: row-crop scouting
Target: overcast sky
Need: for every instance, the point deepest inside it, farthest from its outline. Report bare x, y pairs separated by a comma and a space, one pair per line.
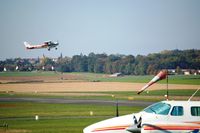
110, 26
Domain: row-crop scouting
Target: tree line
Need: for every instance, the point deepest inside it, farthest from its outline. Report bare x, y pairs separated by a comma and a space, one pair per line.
114, 63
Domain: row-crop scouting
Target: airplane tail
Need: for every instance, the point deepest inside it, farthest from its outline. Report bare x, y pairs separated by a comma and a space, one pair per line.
27, 45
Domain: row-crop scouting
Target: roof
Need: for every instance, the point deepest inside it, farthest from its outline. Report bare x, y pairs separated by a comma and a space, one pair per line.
193, 103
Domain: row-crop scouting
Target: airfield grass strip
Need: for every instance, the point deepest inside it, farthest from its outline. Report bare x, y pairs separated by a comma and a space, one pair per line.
29, 109
28, 74
49, 126
94, 77
59, 118
152, 95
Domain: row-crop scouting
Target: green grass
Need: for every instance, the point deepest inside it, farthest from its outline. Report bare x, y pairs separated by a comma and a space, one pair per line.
72, 118
133, 79
59, 118
93, 77
27, 109
157, 93
120, 95
29, 74
68, 125
173, 79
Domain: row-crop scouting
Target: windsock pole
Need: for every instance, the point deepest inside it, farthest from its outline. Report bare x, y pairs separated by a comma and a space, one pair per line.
167, 86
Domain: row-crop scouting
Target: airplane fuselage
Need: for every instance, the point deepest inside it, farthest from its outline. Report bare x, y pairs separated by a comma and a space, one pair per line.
162, 117
48, 45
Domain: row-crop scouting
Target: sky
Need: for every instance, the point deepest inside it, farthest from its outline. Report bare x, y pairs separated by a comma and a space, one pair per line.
100, 26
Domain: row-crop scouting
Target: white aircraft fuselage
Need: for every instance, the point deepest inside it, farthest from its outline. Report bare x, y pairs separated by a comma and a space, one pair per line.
47, 44
161, 117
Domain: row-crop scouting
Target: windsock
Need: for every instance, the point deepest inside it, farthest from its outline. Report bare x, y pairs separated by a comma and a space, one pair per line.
161, 75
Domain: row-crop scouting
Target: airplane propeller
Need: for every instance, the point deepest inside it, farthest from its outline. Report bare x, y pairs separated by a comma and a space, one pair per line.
57, 42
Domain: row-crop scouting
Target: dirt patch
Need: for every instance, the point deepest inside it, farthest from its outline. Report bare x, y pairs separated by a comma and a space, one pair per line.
75, 94
86, 87
7, 105
56, 78
14, 131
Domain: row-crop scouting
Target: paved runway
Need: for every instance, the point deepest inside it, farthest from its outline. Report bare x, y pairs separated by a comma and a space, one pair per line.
78, 101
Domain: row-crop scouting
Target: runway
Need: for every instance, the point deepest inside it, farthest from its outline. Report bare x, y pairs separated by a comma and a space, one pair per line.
78, 101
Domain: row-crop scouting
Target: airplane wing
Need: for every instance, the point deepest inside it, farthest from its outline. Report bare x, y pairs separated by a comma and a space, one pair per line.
52, 45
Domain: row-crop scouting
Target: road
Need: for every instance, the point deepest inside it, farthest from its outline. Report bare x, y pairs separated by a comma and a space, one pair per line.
78, 101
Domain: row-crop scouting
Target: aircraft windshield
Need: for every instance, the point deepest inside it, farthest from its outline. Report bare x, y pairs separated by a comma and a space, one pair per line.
158, 108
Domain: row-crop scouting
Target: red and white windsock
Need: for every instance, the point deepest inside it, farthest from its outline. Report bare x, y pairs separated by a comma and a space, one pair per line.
161, 75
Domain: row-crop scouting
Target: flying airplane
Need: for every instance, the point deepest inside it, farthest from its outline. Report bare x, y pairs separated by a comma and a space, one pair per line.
162, 117
47, 44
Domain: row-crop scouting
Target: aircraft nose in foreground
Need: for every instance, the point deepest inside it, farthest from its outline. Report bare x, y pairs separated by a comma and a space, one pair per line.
113, 125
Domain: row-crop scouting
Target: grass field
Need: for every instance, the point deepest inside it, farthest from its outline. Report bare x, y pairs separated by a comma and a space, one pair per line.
153, 95
29, 109
93, 77
59, 118
29, 74
173, 79
69, 125
72, 118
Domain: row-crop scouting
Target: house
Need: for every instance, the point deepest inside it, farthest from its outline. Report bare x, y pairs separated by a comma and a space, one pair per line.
116, 75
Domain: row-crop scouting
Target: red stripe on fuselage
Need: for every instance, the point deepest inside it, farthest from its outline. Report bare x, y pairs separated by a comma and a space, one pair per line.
175, 127
111, 128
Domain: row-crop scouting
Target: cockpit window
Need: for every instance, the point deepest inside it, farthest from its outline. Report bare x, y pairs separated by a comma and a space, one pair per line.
177, 111
158, 108
195, 111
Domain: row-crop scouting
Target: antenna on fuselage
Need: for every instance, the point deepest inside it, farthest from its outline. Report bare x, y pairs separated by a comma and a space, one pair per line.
193, 94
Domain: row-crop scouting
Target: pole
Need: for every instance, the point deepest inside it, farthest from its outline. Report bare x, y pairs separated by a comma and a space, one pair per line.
117, 110
167, 87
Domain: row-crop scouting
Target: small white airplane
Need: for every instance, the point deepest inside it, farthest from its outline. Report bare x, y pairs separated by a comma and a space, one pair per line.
162, 117
47, 44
